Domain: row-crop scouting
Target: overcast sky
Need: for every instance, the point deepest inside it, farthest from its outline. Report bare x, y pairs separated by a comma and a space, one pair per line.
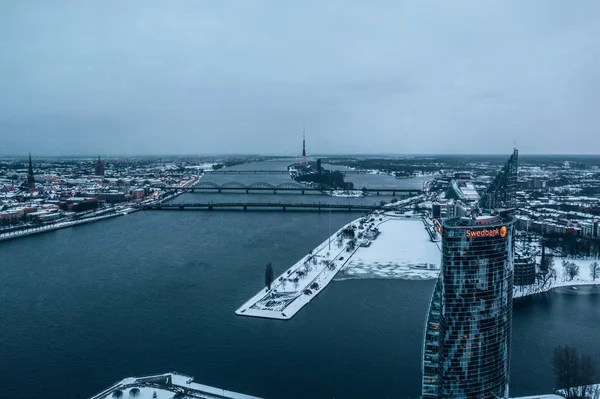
198, 77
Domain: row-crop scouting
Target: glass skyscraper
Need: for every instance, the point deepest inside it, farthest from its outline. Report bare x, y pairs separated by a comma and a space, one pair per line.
466, 353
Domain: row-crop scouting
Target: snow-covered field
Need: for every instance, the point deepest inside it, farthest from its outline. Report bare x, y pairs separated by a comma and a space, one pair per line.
403, 250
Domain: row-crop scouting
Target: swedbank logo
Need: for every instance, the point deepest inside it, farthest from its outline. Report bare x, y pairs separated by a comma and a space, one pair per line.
500, 231
503, 231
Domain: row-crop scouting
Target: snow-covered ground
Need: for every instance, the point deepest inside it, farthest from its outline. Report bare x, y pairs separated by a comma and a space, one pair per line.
584, 278
403, 250
592, 391
164, 386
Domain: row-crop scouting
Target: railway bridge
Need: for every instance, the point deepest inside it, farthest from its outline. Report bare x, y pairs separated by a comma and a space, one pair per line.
204, 186
282, 206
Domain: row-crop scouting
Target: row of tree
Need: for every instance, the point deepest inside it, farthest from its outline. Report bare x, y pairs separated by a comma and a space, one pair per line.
570, 269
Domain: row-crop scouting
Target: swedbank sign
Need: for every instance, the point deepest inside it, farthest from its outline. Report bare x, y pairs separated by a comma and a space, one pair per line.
498, 231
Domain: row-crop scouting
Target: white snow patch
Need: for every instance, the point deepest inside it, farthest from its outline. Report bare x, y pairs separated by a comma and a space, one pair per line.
402, 250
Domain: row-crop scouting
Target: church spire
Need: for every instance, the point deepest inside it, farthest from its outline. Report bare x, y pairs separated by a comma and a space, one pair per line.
30, 165
30, 177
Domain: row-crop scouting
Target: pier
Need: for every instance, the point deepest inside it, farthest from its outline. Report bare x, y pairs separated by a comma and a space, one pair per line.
302, 282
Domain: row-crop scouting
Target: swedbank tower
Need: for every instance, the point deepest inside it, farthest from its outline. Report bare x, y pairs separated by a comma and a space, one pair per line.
466, 353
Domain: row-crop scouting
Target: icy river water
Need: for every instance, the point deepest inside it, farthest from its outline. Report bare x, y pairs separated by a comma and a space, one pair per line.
156, 291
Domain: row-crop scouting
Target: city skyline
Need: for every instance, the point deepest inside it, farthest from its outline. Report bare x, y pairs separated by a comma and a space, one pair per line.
232, 78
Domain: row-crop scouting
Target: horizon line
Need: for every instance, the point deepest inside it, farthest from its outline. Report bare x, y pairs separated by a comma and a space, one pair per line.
287, 155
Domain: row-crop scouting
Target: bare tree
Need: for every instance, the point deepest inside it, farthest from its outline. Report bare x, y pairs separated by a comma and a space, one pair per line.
268, 275
595, 392
547, 269
575, 375
565, 266
594, 270
565, 361
572, 271
587, 374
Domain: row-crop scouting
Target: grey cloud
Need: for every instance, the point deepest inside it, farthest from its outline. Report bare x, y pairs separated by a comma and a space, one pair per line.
238, 76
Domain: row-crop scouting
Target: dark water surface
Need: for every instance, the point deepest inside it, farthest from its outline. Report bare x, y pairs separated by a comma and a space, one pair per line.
155, 291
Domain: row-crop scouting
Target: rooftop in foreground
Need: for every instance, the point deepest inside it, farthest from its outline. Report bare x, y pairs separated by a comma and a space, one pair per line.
167, 386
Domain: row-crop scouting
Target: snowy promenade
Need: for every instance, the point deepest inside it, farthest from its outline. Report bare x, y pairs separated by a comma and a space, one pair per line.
298, 285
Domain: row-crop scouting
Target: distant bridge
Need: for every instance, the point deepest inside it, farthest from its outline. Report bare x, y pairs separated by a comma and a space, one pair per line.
269, 172
288, 186
283, 206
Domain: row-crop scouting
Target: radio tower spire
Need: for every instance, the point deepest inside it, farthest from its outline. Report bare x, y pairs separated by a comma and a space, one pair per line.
303, 160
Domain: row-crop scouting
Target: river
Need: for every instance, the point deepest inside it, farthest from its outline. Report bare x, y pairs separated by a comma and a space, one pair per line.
156, 291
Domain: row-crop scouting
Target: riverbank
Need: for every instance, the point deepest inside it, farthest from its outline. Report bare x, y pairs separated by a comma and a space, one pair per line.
561, 280
61, 225
103, 213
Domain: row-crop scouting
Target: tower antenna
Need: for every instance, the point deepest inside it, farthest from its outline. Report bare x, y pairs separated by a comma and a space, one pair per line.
303, 159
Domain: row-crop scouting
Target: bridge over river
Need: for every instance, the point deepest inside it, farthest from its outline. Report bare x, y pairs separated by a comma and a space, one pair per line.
282, 206
288, 186
268, 172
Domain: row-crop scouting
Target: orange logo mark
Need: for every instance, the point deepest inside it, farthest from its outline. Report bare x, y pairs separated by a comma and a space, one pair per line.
503, 231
